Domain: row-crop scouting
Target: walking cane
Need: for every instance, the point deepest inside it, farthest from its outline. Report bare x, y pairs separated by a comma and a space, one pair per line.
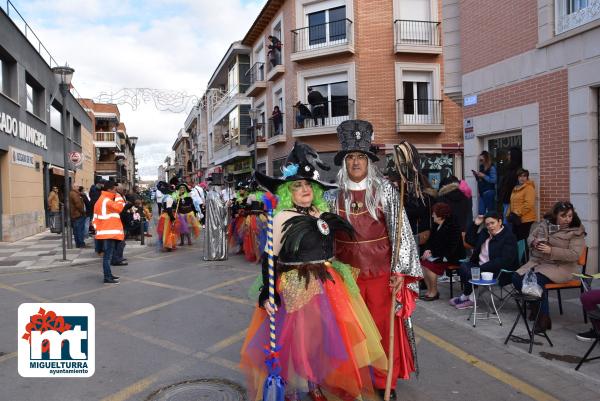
390, 374
274, 387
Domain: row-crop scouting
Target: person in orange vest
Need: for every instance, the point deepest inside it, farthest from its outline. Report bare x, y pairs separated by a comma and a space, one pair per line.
109, 228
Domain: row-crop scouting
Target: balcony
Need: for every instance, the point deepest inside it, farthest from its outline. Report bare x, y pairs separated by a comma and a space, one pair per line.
256, 77
104, 139
231, 147
226, 101
320, 40
106, 167
417, 37
419, 115
321, 119
274, 67
260, 136
276, 130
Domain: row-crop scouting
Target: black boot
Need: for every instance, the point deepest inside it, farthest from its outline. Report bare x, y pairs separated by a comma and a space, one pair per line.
535, 307
181, 240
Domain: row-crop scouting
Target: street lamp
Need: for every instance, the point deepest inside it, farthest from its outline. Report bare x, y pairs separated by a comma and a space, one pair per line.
64, 74
133, 140
254, 114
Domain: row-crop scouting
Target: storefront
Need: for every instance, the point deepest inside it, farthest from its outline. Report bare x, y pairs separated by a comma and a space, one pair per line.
31, 142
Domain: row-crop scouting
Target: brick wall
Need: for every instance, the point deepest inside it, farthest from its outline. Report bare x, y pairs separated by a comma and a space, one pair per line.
492, 30
550, 91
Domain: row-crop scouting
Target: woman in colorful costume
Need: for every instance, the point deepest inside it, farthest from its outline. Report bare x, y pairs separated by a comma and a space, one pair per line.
236, 229
167, 227
186, 215
328, 340
255, 225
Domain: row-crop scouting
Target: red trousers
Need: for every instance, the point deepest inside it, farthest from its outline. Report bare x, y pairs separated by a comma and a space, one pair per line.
378, 297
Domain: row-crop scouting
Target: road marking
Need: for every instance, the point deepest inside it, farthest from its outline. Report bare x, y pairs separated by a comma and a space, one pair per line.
23, 292
221, 345
486, 367
230, 299
226, 363
155, 307
166, 344
8, 357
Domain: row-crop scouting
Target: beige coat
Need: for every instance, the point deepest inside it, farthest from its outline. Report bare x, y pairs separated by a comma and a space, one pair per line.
567, 245
53, 202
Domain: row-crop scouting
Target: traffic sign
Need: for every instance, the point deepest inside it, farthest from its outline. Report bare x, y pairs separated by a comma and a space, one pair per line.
75, 158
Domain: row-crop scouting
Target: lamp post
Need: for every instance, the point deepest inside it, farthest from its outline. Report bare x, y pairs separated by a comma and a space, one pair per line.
64, 74
133, 140
254, 114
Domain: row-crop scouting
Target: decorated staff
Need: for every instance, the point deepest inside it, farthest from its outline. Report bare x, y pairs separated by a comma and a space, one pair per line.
384, 250
326, 337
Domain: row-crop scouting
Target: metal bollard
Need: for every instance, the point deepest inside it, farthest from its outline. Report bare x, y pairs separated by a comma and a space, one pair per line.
142, 231
63, 232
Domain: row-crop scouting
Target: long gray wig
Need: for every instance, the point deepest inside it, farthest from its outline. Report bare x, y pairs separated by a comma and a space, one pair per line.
373, 195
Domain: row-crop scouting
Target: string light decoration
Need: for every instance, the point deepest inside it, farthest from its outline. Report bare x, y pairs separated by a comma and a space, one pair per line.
164, 100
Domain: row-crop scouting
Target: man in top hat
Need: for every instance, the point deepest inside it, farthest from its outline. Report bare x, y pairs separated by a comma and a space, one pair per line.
215, 245
370, 203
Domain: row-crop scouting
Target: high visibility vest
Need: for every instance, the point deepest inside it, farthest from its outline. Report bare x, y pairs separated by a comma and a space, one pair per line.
107, 220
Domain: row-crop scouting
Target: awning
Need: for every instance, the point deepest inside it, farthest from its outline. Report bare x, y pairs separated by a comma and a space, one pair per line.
59, 171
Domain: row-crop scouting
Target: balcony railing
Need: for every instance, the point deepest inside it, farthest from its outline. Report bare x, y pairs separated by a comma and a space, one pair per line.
106, 139
260, 134
321, 36
419, 112
417, 33
328, 114
256, 73
276, 126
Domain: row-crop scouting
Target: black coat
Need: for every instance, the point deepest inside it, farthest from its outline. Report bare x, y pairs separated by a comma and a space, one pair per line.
502, 248
459, 204
446, 241
419, 212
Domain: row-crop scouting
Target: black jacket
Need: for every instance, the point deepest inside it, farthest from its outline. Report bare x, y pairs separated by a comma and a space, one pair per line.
419, 212
502, 248
446, 242
315, 98
459, 204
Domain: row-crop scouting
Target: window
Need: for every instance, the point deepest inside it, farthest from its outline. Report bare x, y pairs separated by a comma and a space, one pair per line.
8, 74
277, 165
35, 96
570, 14
335, 94
232, 81
2, 76
573, 6
76, 132
55, 118
262, 167
327, 26
418, 89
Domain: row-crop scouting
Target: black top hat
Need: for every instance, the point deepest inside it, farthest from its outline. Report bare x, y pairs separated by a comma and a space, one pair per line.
299, 165
354, 136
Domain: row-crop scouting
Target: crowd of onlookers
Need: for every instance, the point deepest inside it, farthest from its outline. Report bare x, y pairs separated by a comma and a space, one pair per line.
451, 239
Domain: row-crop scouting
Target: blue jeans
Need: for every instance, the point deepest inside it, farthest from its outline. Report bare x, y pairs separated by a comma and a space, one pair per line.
78, 231
542, 280
117, 256
98, 245
86, 229
109, 248
486, 202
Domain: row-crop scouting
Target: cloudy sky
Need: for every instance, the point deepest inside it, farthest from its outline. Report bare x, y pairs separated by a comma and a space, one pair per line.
163, 44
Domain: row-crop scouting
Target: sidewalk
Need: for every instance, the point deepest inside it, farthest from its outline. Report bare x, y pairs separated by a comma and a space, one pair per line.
565, 354
44, 250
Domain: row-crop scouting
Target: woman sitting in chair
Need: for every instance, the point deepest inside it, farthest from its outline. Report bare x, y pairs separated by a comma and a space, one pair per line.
445, 242
494, 249
555, 245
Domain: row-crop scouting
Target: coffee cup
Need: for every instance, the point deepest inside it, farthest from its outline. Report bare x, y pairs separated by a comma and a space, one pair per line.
487, 276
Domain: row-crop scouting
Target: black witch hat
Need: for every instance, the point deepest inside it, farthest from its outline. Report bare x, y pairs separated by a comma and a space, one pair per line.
354, 136
300, 165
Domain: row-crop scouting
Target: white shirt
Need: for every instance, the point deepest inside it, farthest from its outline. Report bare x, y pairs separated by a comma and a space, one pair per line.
159, 196
357, 186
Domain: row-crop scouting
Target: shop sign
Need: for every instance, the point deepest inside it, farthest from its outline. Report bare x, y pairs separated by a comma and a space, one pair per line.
18, 129
469, 129
22, 158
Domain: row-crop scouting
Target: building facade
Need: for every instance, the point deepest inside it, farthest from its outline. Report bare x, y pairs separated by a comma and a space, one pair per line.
529, 75
374, 60
31, 133
114, 149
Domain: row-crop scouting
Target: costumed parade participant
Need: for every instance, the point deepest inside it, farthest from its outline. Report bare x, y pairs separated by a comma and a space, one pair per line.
255, 224
215, 245
388, 263
186, 215
236, 229
167, 227
327, 340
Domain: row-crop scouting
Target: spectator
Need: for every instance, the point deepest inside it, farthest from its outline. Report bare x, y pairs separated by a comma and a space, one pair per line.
509, 180
89, 212
444, 246
277, 118
317, 105
302, 113
159, 200
522, 212
95, 192
451, 194
468, 192
495, 248
77, 213
555, 244
591, 302
274, 52
419, 211
118, 258
147, 210
54, 210
486, 184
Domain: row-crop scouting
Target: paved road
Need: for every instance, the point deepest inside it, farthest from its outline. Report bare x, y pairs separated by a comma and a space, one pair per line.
175, 318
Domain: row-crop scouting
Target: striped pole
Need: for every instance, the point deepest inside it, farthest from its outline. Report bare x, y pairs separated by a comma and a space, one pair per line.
272, 337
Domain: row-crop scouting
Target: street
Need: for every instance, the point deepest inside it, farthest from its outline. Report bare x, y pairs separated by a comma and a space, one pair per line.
175, 318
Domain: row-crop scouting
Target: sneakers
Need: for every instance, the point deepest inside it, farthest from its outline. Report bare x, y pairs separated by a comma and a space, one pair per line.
111, 281
587, 336
464, 304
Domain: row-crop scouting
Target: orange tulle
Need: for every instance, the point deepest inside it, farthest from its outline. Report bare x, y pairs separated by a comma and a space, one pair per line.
168, 231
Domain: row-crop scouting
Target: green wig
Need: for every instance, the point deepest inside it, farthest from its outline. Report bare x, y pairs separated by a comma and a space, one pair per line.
284, 193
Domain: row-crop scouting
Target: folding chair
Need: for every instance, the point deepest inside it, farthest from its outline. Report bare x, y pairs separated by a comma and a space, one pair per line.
575, 283
595, 318
505, 276
452, 270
